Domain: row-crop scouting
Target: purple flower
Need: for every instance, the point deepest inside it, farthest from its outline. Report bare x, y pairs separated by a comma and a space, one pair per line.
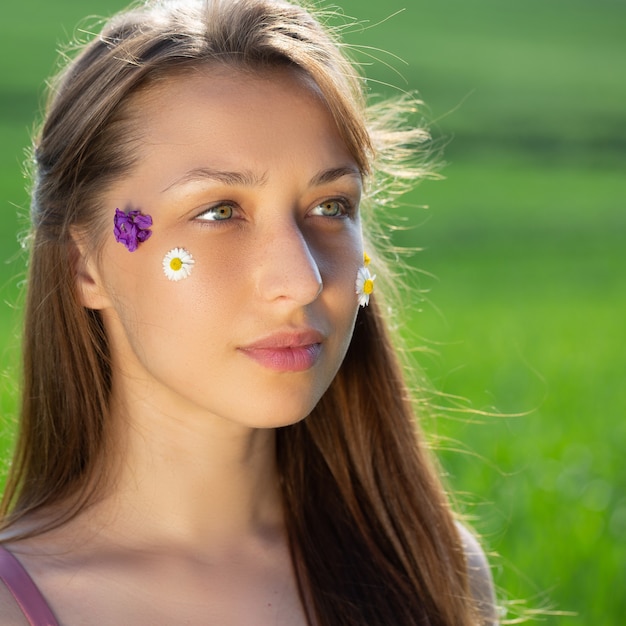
131, 228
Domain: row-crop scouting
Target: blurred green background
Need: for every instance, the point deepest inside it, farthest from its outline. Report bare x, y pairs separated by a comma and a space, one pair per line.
523, 293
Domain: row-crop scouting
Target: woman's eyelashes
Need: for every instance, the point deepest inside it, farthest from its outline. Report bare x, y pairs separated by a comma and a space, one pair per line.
331, 208
217, 213
334, 207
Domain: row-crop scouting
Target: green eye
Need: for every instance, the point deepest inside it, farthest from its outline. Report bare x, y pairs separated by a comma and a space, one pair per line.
217, 213
330, 208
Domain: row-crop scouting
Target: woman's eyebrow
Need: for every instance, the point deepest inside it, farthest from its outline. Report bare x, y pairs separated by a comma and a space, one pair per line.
335, 173
247, 178
244, 178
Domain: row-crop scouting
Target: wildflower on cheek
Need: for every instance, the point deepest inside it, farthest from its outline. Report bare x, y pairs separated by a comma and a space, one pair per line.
131, 228
177, 264
364, 285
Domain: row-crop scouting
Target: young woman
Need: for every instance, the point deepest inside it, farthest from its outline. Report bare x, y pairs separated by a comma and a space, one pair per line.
214, 428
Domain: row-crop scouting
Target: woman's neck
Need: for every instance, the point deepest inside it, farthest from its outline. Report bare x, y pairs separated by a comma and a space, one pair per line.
191, 479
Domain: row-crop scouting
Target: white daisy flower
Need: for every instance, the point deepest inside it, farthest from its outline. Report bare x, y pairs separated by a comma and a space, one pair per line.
177, 264
364, 285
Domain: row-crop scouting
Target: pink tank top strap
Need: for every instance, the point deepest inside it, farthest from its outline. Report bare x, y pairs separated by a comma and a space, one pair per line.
24, 590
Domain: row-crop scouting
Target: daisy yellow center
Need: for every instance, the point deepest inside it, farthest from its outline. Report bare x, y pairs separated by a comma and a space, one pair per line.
368, 286
176, 264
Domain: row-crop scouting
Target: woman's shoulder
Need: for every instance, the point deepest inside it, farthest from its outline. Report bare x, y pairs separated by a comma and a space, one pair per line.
479, 577
10, 612
21, 602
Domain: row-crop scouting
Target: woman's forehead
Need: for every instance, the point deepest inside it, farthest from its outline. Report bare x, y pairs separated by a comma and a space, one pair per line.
228, 118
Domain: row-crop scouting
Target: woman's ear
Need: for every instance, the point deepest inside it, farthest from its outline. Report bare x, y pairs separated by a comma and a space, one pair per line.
89, 284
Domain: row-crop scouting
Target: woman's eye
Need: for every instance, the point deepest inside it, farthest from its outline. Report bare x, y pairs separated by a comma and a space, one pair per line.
331, 208
217, 213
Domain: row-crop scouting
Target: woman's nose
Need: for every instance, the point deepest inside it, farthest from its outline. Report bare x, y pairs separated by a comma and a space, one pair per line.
287, 269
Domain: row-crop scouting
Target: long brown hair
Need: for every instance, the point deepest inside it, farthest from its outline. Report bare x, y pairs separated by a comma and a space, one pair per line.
372, 536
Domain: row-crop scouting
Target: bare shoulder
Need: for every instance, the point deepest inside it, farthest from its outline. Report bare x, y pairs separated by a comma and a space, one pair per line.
479, 575
10, 612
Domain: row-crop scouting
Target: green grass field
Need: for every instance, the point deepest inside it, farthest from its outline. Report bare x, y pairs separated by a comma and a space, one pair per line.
521, 294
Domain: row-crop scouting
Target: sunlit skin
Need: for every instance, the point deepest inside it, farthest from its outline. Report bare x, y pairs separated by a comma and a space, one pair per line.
251, 177
249, 174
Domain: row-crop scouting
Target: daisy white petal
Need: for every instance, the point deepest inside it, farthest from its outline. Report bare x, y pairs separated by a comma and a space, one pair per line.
364, 285
177, 264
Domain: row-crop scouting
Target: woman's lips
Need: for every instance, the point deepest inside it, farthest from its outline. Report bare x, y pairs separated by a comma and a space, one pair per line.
286, 352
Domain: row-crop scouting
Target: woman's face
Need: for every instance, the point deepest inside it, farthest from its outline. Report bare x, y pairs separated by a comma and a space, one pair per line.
249, 175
